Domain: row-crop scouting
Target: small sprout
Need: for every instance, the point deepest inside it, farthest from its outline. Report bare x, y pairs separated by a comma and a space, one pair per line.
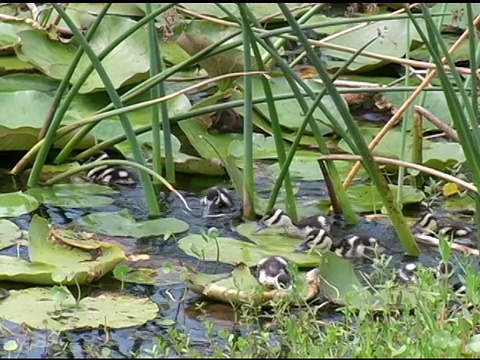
213, 232
10, 345
166, 268
106, 352
60, 293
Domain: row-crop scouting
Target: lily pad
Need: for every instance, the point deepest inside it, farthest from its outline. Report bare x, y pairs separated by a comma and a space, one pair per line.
22, 271
231, 251
81, 195
16, 203
9, 234
125, 273
22, 82
39, 309
366, 199
392, 42
121, 223
71, 264
241, 286
129, 62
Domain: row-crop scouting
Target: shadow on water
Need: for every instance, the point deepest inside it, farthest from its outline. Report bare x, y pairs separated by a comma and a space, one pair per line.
189, 317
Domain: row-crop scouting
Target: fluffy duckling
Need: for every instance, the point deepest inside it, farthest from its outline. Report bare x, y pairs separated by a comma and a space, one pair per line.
278, 218
354, 246
316, 238
272, 271
110, 174
218, 197
406, 273
427, 224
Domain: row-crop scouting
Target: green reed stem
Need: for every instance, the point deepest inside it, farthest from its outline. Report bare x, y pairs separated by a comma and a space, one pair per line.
248, 178
155, 92
70, 146
406, 237
54, 118
417, 146
290, 206
294, 81
137, 154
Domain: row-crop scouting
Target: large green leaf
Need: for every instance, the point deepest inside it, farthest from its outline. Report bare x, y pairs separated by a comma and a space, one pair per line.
41, 308
230, 251
16, 203
290, 114
365, 198
127, 63
9, 234
75, 195
76, 257
121, 223
24, 82
392, 42
438, 155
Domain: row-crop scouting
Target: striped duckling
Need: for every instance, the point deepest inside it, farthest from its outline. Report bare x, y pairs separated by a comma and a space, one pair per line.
273, 272
110, 174
429, 225
278, 218
316, 238
355, 246
216, 197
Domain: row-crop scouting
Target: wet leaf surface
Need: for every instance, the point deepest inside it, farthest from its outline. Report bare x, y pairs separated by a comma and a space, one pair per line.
121, 223
38, 309
16, 203
9, 234
83, 195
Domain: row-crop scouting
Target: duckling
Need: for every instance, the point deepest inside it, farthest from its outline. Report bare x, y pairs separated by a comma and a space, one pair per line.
272, 271
427, 224
354, 246
406, 273
278, 218
110, 174
316, 238
216, 196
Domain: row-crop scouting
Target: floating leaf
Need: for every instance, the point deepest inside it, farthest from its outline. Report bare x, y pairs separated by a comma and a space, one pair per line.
37, 308
128, 62
52, 263
232, 251
25, 82
9, 233
136, 276
16, 203
121, 223
365, 198
76, 195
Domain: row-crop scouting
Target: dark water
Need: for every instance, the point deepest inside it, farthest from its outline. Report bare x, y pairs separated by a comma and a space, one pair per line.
189, 319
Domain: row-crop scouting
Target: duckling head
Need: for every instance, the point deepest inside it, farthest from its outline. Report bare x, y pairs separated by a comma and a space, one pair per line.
272, 271
215, 197
427, 223
276, 218
316, 238
406, 272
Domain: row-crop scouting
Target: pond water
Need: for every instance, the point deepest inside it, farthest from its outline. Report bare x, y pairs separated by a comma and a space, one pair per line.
188, 318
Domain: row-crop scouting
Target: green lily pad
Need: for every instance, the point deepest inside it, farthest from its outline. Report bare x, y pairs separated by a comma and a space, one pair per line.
38, 309
22, 271
16, 203
438, 155
366, 199
79, 195
129, 62
9, 234
23, 82
71, 264
121, 223
137, 276
270, 242
392, 42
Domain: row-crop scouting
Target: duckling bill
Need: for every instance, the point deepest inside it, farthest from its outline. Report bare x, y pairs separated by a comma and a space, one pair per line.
272, 271
216, 197
278, 218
